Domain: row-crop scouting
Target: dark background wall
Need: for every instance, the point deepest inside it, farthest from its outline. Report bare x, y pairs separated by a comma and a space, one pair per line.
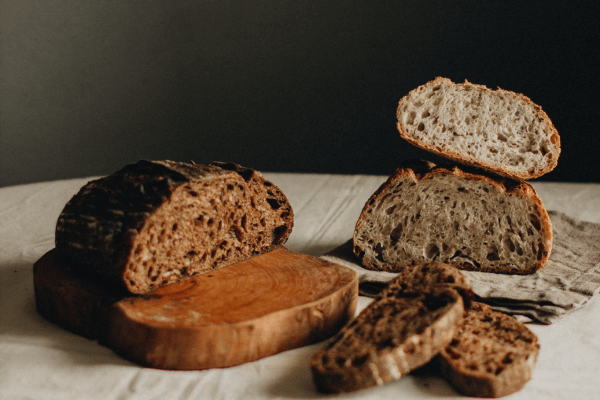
300, 86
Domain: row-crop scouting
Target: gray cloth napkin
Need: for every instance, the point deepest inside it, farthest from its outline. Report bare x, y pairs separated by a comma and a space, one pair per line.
569, 279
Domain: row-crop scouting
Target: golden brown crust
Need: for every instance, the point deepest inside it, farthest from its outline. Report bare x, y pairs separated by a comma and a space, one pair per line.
465, 159
416, 171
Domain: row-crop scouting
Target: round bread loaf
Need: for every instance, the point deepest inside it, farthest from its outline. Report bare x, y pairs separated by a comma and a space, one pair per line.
157, 222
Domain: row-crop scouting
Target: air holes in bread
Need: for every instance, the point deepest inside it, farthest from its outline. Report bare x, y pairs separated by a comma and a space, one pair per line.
431, 251
273, 203
278, 234
535, 221
493, 254
511, 245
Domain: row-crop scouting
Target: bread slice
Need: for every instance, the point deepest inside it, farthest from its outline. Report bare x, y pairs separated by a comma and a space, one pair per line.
492, 355
501, 131
156, 222
455, 215
255, 308
406, 325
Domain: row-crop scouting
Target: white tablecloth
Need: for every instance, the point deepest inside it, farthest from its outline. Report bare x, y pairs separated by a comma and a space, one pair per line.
41, 361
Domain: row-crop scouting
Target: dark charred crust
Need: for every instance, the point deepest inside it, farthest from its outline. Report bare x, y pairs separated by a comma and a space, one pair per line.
99, 227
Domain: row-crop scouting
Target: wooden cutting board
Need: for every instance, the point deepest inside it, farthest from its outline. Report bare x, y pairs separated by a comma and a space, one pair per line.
243, 312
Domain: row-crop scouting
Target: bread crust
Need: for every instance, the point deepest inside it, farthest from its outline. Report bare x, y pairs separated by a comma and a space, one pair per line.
508, 354
417, 171
502, 168
156, 222
406, 325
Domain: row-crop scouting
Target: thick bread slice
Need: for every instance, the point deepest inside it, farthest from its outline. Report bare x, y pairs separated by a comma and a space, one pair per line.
406, 325
156, 222
492, 355
258, 307
446, 213
501, 131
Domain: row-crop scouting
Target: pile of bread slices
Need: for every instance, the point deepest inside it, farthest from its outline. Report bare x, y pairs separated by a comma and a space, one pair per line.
427, 221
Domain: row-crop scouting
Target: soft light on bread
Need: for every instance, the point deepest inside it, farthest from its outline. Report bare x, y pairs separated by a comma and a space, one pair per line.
156, 222
492, 355
455, 215
501, 131
402, 329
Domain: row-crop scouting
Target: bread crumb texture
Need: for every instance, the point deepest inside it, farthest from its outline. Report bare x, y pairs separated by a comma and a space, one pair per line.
402, 329
154, 223
492, 355
476, 222
498, 130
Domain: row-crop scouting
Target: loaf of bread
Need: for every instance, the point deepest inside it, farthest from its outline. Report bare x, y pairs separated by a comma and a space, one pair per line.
406, 325
156, 222
451, 214
501, 131
492, 355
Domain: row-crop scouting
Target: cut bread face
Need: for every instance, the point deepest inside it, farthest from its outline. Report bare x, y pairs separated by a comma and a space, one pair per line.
157, 222
498, 130
407, 324
492, 355
451, 214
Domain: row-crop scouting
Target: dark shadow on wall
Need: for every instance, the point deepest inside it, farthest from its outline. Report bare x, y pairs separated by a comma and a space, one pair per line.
86, 88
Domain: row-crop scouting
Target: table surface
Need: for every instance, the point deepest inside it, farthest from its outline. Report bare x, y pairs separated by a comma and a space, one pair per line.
38, 360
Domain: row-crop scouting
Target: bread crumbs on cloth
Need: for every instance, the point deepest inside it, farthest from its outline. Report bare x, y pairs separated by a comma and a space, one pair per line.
569, 279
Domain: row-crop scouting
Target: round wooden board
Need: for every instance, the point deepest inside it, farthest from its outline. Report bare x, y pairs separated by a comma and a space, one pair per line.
243, 312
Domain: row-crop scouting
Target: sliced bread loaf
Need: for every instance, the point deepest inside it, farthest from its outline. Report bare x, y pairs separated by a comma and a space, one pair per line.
492, 355
501, 131
156, 222
406, 325
451, 214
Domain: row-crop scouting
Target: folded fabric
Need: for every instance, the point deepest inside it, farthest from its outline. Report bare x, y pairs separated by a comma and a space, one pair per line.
569, 279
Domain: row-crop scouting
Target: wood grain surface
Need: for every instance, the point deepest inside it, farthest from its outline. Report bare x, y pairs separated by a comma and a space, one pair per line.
246, 311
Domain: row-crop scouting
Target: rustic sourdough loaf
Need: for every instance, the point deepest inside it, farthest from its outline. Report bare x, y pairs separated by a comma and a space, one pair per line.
406, 325
451, 214
501, 131
492, 355
157, 222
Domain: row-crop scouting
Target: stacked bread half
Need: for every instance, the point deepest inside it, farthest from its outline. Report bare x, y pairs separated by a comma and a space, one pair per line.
477, 213
427, 222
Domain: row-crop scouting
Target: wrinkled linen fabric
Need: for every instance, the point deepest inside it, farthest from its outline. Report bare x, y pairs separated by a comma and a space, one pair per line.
567, 282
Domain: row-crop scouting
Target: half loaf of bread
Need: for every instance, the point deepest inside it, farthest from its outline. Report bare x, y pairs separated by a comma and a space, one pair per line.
447, 213
501, 131
406, 325
156, 222
492, 355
